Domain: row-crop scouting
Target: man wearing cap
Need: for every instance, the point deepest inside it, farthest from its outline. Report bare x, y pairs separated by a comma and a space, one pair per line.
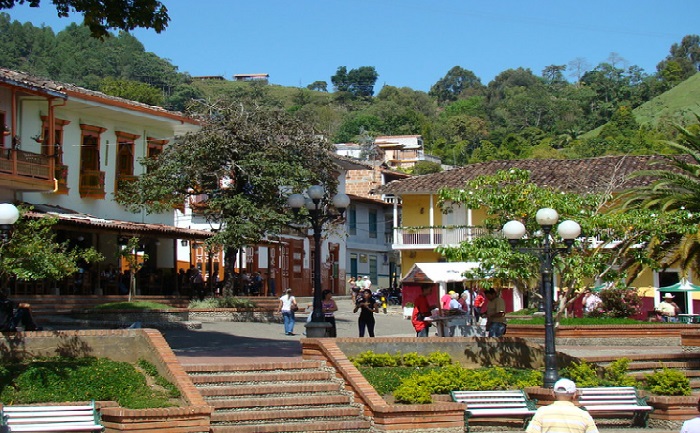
562, 416
668, 309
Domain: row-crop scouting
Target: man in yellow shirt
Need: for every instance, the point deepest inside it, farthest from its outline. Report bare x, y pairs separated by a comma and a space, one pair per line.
562, 416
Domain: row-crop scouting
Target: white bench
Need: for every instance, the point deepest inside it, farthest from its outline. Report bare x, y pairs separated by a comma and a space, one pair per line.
51, 418
506, 404
613, 401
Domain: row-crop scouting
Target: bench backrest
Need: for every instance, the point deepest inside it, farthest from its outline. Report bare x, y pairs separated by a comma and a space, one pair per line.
51, 418
492, 399
609, 395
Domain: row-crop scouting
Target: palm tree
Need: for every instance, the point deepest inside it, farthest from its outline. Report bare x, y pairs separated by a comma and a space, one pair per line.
674, 186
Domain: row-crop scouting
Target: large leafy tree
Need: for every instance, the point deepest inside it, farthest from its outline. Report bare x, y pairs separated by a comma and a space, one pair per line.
608, 251
242, 163
102, 15
457, 83
676, 187
358, 82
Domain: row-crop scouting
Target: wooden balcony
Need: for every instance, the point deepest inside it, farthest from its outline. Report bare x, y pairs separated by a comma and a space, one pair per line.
92, 184
26, 171
432, 237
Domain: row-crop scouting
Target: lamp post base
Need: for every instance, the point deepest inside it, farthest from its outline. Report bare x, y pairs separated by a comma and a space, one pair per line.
317, 329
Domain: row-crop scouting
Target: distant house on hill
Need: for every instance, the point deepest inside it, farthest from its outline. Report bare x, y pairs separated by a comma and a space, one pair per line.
402, 151
209, 77
251, 77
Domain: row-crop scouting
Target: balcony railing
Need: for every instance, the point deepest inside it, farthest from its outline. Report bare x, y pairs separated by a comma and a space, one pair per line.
27, 164
431, 237
92, 183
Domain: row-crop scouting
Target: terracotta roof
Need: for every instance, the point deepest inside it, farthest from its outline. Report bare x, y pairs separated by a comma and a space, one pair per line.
589, 175
77, 220
64, 90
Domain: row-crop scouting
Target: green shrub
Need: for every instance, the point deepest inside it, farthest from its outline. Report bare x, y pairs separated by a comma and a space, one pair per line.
222, 302
410, 393
668, 381
583, 373
615, 374
134, 305
371, 359
439, 359
151, 370
413, 359
385, 380
619, 302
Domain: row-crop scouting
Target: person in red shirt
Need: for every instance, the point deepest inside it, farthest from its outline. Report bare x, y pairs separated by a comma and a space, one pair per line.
421, 310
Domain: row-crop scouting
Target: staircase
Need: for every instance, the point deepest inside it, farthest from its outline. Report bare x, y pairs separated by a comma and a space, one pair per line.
293, 396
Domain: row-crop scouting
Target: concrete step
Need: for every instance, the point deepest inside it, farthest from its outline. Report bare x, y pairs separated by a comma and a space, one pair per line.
194, 369
250, 416
271, 389
339, 425
280, 401
261, 377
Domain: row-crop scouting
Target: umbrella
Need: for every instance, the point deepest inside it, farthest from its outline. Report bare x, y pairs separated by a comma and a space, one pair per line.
681, 286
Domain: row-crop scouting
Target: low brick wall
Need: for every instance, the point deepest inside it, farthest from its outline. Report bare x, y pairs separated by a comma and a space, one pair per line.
126, 345
173, 318
441, 416
664, 334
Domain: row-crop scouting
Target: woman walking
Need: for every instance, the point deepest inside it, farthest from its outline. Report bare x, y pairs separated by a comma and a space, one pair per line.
329, 308
288, 305
367, 306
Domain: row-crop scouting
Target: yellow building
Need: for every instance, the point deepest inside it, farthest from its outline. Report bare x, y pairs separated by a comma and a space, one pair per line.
420, 225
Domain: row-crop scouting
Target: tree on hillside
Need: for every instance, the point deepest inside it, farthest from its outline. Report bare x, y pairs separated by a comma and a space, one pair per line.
457, 83
319, 86
358, 82
607, 252
682, 62
244, 162
132, 90
102, 15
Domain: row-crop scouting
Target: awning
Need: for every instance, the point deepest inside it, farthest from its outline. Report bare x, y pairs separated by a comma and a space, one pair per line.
443, 272
681, 286
71, 220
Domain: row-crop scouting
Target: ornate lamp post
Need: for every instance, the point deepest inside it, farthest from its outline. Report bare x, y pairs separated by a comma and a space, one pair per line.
8, 216
321, 210
568, 230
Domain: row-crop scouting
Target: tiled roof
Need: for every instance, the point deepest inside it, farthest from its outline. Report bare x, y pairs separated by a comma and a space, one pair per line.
591, 175
65, 91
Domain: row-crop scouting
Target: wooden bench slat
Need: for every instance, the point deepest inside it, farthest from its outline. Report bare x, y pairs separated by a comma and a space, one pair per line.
44, 408
499, 412
51, 418
55, 427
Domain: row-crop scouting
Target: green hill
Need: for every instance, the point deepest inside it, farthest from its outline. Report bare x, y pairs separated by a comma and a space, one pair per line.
676, 106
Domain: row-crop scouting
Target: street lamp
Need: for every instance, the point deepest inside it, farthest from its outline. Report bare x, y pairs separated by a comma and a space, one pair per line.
321, 210
8, 216
568, 230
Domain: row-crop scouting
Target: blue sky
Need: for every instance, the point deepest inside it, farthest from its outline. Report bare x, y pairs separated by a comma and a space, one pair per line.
411, 43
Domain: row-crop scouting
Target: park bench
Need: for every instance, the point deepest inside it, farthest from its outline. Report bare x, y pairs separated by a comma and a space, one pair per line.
503, 404
612, 401
51, 418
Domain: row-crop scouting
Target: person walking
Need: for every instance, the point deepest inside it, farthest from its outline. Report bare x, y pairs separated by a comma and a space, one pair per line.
495, 314
329, 308
421, 312
562, 416
367, 306
288, 305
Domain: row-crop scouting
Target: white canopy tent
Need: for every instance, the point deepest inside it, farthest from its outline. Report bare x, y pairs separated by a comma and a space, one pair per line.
438, 273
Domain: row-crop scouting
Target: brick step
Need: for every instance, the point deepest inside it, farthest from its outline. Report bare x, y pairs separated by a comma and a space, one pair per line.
269, 389
195, 369
281, 401
331, 425
675, 354
287, 414
260, 377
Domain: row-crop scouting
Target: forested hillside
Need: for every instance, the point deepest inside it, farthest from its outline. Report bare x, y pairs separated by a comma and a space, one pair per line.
519, 114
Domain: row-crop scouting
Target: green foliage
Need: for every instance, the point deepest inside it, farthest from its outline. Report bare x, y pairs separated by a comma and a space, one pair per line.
618, 301
222, 302
132, 90
386, 379
411, 359
43, 380
668, 382
585, 374
151, 370
34, 253
417, 388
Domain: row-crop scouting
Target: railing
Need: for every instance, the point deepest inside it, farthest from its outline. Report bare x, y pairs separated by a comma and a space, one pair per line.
22, 163
434, 236
92, 183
